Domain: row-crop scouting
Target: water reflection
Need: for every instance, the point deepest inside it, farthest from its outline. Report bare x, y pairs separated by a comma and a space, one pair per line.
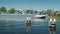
52, 30
33, 27
12, 27
28, 25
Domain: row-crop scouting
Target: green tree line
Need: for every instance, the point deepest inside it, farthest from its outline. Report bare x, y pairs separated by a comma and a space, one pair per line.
4, 10
50, 12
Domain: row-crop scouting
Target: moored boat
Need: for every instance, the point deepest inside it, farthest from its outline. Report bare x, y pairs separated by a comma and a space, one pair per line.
40, 16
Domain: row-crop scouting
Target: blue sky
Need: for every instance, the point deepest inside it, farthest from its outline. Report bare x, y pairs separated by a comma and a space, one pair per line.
31, 4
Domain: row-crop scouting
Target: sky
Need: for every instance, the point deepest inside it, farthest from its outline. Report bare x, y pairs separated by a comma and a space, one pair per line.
31, 4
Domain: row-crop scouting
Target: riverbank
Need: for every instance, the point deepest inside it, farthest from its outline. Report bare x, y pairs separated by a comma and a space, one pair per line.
53, 17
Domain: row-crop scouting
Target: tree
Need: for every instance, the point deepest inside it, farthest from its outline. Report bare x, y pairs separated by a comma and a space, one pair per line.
35, 12
0, 11
43, 12
19, 12
49, 11
3, 9
29, 11
12, 10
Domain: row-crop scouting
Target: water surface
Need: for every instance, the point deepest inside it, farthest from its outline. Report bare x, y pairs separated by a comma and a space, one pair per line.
18, 26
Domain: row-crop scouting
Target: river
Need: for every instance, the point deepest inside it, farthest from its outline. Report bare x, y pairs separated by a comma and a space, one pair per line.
17, 25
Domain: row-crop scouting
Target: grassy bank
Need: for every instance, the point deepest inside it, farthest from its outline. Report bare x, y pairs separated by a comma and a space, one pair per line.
53, 17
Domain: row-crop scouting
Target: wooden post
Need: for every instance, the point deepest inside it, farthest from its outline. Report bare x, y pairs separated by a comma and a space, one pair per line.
50, 22
28, 23
52, 26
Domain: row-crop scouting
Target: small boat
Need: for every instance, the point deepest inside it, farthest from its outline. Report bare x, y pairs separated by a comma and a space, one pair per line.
40, 16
